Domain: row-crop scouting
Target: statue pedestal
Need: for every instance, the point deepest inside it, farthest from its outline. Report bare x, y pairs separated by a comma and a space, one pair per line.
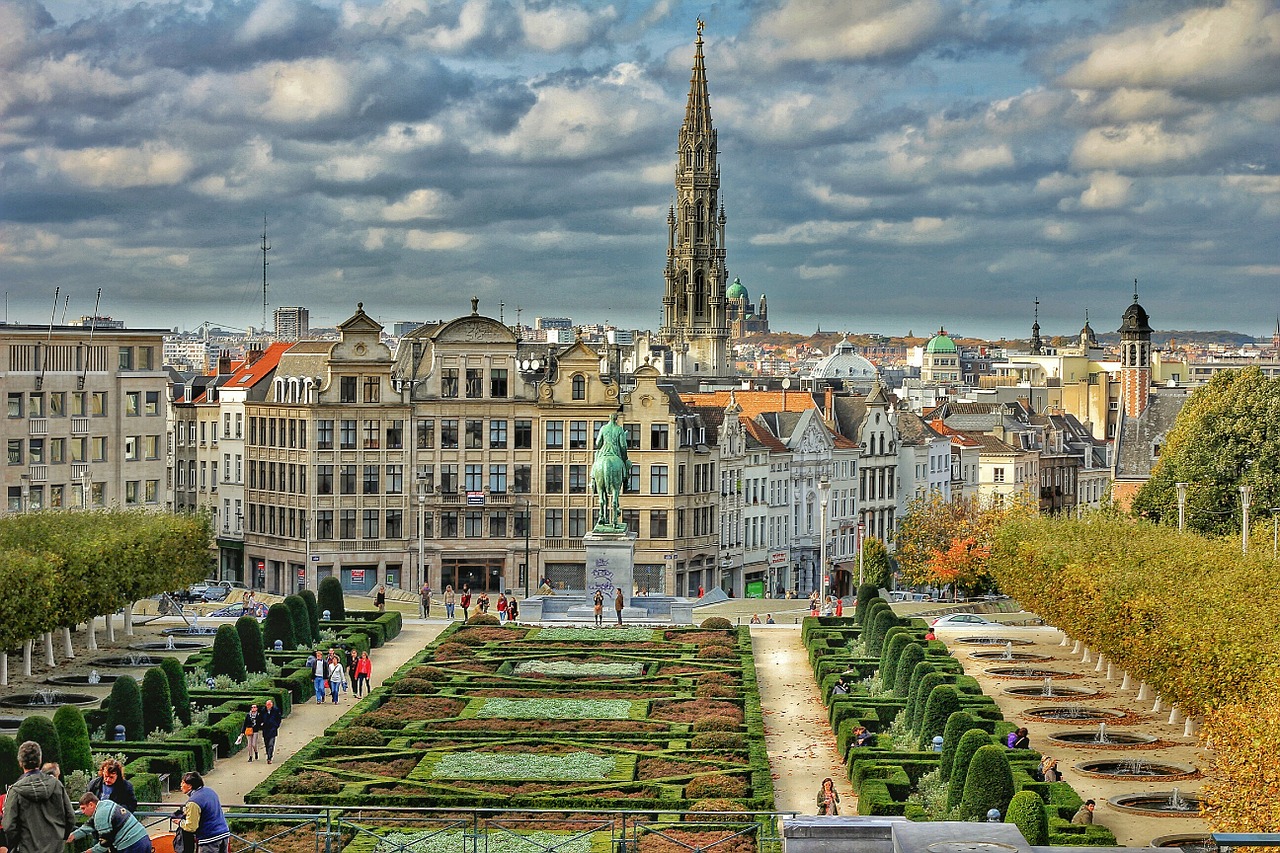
611, 560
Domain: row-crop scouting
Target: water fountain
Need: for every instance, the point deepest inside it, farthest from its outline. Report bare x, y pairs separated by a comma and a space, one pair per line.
1008, 651
992, 641
45, 698
1026, 671
1190, 842
1158, 804
1076, 714
170, 645
93, 679
133, 659
1136, 769
1102, 734
1100, 737
1050, 691
1009, 655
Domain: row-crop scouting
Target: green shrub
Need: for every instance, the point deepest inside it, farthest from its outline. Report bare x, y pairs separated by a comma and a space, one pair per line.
124, 708
715, 623
279, 626
9, 770
73, 734
718, 740
715, 787
715, 724
483, 619
943, 701
911, 655
717, 805
890, 654
313, 611
177, 689
251, 645
310, 782
883, 621
157, 706
716, 652
866, 594
358, 736
867, 610
970, 742
329, 597
1026, 811
920, 696
40, 729
957, 724
988, 783
227, 658
301, 620
414, 685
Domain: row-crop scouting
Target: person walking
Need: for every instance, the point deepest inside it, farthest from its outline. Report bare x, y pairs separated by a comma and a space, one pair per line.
112, 826
201, 816
320, 674
271, 719
828, 798
448, 602
599, 609
513, 609
252, 725
502, 608
425, 593
37, 811
618, 604
110, 784
465, 601
337, 677
380, 598
364, 670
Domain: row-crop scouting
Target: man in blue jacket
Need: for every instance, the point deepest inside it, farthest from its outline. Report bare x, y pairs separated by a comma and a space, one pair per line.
270, 724
201, 816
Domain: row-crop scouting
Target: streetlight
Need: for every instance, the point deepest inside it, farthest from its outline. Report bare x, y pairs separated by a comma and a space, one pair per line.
26, 492
1245, 492
862, 527
824, 493
1182, 506
422, 514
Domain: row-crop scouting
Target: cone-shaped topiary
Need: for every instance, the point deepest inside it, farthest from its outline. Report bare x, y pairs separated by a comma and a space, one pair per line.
9, 770
228, 659
877, 606
890, 656
880, 625
877, 565
916, 703
313, 612
250, 633
157, 704
911, 655
866, 592
74, 736
988, 783
301, 619
279, 626
970, 742
920, 671
1026, 811
178, 694
40, 729
866, 605
329, 598
957, 724
943, 701
124, 708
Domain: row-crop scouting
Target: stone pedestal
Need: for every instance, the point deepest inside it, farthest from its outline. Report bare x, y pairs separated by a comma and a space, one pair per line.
611, 561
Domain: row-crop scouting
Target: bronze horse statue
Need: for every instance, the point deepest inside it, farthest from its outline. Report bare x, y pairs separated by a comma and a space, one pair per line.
609, 474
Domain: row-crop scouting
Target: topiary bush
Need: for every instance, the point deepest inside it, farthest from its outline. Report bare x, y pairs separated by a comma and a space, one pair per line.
716, 623
329, 597
301, 620
957, 724
988, 783
943, 701
251, 644
866, 594
40, 729
73, 735
920, 696
890, 655
883, 621
279, 626
716, 652
874, 606
715, 787
227, 658
9, 770
1026, 811
970, 742
124, 708
715, 724
313, 611
157, 706
717, 805
178, 694
483, 619
358, 736
911, 655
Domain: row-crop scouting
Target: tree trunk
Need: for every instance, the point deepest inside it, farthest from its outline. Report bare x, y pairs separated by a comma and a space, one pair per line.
4, 669
128, 619
91, 629
48, 649
26, 658
111, 628
67, 651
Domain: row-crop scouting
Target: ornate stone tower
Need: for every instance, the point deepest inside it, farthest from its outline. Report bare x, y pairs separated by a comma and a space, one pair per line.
1135, 358
694, 315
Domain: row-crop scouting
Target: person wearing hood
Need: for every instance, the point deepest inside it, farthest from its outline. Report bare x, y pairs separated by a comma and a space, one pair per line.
38, 815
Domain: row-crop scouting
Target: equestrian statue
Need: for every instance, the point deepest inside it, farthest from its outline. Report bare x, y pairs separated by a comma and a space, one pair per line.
609, 474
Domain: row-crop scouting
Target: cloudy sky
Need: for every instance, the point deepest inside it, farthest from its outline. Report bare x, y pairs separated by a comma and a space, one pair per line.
886, 165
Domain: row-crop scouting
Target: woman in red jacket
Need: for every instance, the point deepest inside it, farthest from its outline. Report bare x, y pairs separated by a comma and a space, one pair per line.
364, 669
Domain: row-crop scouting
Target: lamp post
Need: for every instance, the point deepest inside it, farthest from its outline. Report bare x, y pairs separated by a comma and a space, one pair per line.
1182, 506
862, 528
824, 493
26, 492
1275, 531
422, 517
1245, 492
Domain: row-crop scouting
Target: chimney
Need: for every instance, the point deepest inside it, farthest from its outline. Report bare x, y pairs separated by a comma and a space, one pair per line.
252, 355
828, 400
224, 363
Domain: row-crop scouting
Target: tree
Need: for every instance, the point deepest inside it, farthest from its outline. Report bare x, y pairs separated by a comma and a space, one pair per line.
329, 597
867, 593
877, 565
279, 626
911, 655
157, 705
1026, 811
124, 708
9, 769
228, 659
178, 693
251, 644
41, 730
988, 783
1224, 438
74, 736
301, 620
943, 701
947, 542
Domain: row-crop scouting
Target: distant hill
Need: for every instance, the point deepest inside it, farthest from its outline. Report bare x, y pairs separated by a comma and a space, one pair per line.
1189, 336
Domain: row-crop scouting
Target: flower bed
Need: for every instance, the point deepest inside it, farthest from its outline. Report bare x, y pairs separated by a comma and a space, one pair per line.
524, 765
571, 669
553, 709
594, 635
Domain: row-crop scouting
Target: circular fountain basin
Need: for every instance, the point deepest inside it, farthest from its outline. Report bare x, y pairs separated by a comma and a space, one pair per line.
198, 631
170, 645
1036, 672
1189, 842
1158, 804
1009, 656
48, 699
9, 725
1057, 693
125, 661
1138, 770
1114, 740
1075, 714
992, 641
81, 680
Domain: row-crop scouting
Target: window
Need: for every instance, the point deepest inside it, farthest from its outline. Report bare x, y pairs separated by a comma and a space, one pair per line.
372, 435
372, 389
151, 491
395, 481
631, 518
498, 382
522, 480
371, 477
426, 478
577, 479
553, 523
498, 479
347, 390
324, 524
58, 450
395, 435
555, 480
579, 387
475, 382
657, 524
473, 524
347, 479
146, 358
523, 439
449, 525
35, 405
449, 382
15, 451
58, 404
131, 449
497, 433
555, 435
100, 449
523, 527
577, 435
133, 404
474, 436
633, 479
126, 358
152, 399
997, 475
324, 434
395, 524
577, 523
131, 491
658, 480
632, 431
15, 404
449, 479
324, 479
346, 524
658, 437
426, 433
78, 401
371, 524
79, 449
498, 525
347, 435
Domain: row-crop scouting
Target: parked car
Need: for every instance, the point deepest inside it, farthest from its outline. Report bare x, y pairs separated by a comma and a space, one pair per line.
217, 592
195, 592
964, 620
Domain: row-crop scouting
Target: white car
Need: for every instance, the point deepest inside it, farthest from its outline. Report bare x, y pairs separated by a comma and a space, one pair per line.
964, 620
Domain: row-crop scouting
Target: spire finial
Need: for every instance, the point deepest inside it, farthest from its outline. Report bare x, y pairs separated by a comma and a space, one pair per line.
701, 24
1037, 310
1135, 290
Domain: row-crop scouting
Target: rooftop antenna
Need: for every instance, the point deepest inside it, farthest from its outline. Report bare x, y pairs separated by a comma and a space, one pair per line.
520, 334
501, 307
43, 357
266, 247
66, 302
93, 325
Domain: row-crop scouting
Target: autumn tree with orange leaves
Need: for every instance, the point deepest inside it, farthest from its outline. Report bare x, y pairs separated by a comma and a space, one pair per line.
947, 543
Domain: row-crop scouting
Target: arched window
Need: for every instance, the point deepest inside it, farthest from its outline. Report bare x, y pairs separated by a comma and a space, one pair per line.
579, 386
700, 223
699, 293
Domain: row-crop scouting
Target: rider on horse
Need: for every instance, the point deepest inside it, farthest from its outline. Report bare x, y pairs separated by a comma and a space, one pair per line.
609, 474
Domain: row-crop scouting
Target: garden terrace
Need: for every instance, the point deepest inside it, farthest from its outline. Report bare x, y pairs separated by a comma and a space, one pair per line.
518, 717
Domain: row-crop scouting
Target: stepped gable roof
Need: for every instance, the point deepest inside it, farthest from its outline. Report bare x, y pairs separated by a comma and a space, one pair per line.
1138, 437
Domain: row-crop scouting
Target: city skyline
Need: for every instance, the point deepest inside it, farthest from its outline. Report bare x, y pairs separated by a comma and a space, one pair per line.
901, 166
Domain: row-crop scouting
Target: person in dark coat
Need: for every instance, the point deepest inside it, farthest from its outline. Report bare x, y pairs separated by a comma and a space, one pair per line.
270, 726
37, 811
110, 784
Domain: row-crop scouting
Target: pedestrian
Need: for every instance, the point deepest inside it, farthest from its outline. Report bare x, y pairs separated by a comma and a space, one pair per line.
37, 811
828, 798
52, 768
448, 602
112, 826
271, 718
110, 784
618, 604
701, 591
839, 606
353, 658
1019, 739
252, 725
1083, 817
502, 608
425, 592
768, 619
201, 816
513, 609
465, 601
755, 619
364, 669
320, 674
599, 609
380, 598
482, 602
1049, 771
337, 677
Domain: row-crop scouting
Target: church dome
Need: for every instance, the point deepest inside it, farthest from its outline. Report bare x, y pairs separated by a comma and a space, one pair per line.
736, 290
940, 343
846, 365
1135, 318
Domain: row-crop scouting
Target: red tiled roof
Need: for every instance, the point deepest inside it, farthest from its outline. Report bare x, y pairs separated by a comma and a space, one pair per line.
248, 375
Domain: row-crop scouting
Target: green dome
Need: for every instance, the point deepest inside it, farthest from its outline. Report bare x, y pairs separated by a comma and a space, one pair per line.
940, 343
736, 290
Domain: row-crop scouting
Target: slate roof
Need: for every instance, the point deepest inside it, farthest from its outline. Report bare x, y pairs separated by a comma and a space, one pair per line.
1137, 436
